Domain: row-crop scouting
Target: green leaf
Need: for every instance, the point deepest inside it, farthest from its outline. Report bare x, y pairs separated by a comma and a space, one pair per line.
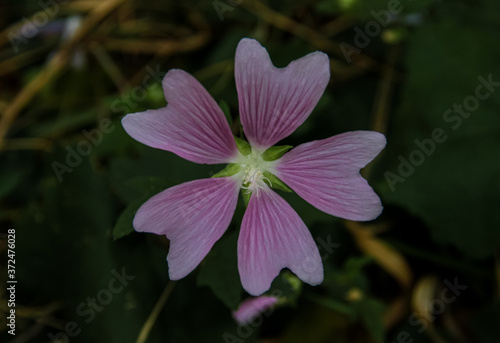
219, 271
243, 146
333, 304
275, 152
137, 191
124, 226
372, 313
274, 182
447, 163
231, 169
227, 111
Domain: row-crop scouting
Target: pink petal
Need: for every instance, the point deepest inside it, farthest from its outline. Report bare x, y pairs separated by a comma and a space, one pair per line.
326, 174
193, 215
273, 237
253, 307
274, 102
191, 125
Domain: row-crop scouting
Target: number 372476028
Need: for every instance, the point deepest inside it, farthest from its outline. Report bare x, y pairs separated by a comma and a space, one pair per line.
11, 254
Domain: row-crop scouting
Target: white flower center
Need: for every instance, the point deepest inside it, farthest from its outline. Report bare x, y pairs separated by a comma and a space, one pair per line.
254, 180
252, 172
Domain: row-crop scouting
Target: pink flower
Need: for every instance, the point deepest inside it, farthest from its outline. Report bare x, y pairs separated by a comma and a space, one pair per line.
273, 103
251, 308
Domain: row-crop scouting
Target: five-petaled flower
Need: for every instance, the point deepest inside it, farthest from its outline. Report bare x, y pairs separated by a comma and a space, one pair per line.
273, 102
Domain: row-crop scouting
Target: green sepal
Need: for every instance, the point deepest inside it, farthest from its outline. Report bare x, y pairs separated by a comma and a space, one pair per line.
274, 182
227, 111
246, 196
275, 152
287, 288
243, 146
230, 170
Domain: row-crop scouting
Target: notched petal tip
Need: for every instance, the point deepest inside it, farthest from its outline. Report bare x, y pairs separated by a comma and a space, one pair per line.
377, 139
274, 237
175, 273
274, 102
326, 174
193, 216
249, 43
315, 61
192, 125
176, 78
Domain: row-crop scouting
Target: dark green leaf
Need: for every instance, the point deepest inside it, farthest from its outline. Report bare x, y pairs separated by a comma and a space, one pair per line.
123, 226
372, 314
444, 164
219, 271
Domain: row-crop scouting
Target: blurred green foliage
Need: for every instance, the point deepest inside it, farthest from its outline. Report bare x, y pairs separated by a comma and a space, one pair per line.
74, 225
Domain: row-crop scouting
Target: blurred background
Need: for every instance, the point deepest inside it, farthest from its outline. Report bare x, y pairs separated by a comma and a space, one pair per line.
425, 73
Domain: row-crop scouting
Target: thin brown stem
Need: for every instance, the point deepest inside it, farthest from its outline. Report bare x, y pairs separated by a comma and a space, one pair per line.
153, 316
